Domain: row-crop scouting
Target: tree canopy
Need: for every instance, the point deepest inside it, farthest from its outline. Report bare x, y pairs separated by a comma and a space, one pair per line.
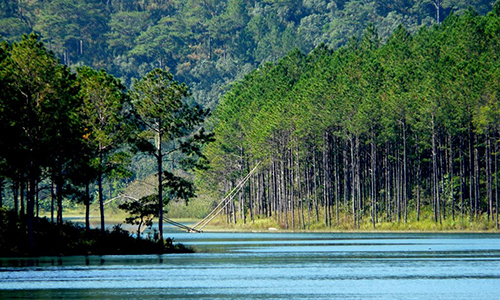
379, 131
207, 44
64, 132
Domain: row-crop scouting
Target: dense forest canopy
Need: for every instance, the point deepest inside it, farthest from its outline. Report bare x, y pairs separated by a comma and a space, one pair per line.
207, 43
385, 132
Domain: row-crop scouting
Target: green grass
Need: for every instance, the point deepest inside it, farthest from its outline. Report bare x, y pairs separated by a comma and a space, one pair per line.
426, 223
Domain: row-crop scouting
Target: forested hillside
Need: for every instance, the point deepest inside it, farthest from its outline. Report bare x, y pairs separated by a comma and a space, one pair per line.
372, 132
207, 43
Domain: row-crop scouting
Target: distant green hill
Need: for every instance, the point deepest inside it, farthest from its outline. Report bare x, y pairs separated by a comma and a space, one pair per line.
207, 43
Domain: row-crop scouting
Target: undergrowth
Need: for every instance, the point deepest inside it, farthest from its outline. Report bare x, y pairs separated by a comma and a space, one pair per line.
71, 239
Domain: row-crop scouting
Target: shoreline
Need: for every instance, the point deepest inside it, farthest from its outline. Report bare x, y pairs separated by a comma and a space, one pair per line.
257, 226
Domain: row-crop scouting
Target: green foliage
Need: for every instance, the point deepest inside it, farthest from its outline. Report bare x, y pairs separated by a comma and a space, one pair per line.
70, 239
170, 130
106, 126
192, 39
359, 128
141, 212
62, 132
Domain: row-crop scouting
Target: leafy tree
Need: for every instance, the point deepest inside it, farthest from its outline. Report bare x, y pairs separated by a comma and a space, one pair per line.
141, 212
171, 131
104, 119
39, 115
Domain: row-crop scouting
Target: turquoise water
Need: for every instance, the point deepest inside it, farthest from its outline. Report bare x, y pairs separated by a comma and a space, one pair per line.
274, 266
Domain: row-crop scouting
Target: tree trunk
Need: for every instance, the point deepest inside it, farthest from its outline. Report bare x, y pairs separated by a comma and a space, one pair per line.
419, 172
87, 206
353, 183
30, 203
15, 192
437, 5
476, 178
52, 200
100, 191
435, 181
471, 174
462, 179
489, 178
337, 183
387, 184
325, 181
496, 178
291, 179
159, 162
405, 176
316, 209
22, 188
452, 194
59, 198
358, 183
373, 185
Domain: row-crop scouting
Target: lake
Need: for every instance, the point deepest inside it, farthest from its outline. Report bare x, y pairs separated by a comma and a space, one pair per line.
274, 265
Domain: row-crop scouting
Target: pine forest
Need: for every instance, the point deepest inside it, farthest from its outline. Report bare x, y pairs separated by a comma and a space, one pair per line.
369, 133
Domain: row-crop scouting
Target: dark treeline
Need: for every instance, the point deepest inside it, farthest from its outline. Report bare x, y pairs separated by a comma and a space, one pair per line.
372, 132
206, 43
62, 133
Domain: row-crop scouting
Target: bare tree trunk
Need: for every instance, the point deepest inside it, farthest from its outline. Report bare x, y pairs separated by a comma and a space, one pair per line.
452, 193
337, 183
397, 185
358, 184
405, 176
373, 169
353, 183
496, 179
489, 178
476, 178
291, 178
315, 187
326, 199
435, 184
437, 5
462, 178
419, 172
471, 175
387, 184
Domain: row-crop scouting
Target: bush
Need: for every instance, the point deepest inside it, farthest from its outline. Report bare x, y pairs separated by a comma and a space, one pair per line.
71, 239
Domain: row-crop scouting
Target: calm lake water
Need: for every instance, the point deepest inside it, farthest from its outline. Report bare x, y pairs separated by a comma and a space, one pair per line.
274, 266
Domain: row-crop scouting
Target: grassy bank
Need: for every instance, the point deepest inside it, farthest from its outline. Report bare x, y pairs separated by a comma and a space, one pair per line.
345, 222
72, 239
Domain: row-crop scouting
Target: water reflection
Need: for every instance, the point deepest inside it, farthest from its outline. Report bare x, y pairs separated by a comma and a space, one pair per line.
274, 266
